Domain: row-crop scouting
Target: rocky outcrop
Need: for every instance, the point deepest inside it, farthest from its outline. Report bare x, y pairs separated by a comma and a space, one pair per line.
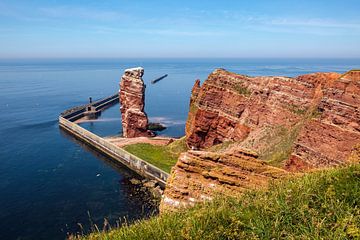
132, 96
314, 118
287, 124
199, 174
330, 137
234, 107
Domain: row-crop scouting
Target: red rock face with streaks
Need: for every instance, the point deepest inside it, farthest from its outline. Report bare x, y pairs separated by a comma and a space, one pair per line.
329, 138
199, 174
234, 107
316, 114
261, 128
132, 96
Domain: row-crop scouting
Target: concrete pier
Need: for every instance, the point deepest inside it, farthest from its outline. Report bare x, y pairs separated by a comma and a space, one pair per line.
138, 165
90, 110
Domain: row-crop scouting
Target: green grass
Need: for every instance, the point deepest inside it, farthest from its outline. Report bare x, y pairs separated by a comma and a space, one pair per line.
242, 90
315, 113
297, 109
220, 147
283, 141
156, 155
321, 205
163, 157
178, 146
193, 108
284, 138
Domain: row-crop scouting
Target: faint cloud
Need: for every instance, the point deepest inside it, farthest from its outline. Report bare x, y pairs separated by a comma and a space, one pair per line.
227, 18
154, 31
315, 23
173, 32
84, 13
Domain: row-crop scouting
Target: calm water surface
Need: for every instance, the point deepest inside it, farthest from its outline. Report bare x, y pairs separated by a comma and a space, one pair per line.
48, 181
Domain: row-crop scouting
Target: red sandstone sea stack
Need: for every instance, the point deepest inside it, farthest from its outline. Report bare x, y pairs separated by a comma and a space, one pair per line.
132, 101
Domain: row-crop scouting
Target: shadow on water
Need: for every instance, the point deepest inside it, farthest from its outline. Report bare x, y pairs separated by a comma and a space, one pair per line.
138, 193
119, 167
31, 126
40, 125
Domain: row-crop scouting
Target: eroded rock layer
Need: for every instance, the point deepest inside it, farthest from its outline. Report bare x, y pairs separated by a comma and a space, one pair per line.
199, 174
229, 106
288, 124
132, 96
318, 112
329, 138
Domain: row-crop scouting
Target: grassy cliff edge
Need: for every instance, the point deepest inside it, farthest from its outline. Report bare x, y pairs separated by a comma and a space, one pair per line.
319, 205
163, 157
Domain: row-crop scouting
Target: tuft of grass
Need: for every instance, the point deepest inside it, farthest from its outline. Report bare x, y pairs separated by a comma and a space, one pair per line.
178, 146
319, 205
297, 110
355, 154
163, 157
238, 87
315, 114
280, 151
220, 147
193, 108
283, 139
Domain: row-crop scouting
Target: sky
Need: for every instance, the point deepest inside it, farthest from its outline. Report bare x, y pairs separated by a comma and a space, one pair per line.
179, 29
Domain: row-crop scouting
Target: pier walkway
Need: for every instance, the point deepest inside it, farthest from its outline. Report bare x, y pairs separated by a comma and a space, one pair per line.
107, 146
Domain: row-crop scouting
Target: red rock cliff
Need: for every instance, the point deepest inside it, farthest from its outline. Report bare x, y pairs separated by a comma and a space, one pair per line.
261, 128
331, 136
132, 96
199, 174
316, 115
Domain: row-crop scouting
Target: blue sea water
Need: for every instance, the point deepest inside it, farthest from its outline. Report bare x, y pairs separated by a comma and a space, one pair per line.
49, 182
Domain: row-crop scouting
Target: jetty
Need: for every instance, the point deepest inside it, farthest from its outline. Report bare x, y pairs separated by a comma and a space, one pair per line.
90, 110
158, 79
68, 122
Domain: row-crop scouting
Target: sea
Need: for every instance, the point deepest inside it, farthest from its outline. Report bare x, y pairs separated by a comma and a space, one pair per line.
52, 185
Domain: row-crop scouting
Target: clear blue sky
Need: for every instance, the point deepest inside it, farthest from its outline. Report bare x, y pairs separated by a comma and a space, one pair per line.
186, 28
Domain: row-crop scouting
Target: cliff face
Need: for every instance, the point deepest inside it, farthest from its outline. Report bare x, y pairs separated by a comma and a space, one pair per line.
199, 174
316, 115
229, 106
132, 96
333, 135
287, 124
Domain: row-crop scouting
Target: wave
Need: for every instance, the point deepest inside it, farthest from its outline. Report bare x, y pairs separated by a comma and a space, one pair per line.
167, 121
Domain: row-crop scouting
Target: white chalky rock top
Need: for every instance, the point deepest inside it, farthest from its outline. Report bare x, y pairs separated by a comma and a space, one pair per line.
134, 72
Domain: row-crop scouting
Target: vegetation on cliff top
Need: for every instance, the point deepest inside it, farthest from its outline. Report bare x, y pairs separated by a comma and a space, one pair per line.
282, 141
163, 157
320, 205
239, 88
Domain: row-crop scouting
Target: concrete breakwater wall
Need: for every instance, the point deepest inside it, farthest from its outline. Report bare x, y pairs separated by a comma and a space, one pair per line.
118, 154
78, 112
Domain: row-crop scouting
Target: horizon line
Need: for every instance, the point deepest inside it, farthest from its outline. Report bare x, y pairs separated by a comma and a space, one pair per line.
134, 58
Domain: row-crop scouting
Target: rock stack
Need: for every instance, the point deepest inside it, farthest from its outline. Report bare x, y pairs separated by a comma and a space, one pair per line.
132, 101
